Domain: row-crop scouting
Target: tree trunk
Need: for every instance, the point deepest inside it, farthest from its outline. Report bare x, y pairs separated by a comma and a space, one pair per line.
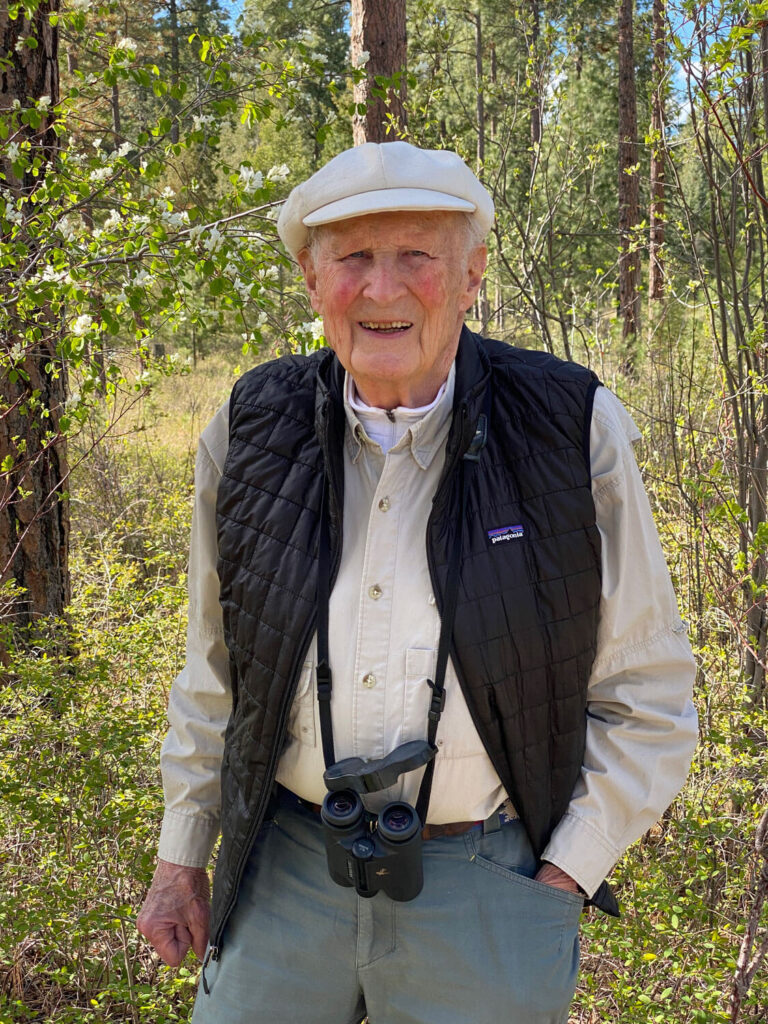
629, 183
477, 18
378, 29
656, 238
34, 513
173, 17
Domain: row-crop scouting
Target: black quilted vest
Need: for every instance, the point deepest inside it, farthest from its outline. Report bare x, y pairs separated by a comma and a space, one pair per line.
526, 623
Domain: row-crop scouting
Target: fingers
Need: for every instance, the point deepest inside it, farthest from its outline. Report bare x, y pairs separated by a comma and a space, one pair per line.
557, 878
172, 945
176, 912
198, 925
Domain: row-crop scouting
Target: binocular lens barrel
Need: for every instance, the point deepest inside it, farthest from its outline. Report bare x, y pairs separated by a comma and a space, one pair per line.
342, 810
398, 823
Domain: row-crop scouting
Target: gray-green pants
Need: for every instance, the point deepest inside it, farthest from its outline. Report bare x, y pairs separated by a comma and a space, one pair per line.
482, 944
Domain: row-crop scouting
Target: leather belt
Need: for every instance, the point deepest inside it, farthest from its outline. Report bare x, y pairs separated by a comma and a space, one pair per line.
450, 828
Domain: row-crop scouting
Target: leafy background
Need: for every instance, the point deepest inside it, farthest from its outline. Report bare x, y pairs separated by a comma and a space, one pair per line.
142, 251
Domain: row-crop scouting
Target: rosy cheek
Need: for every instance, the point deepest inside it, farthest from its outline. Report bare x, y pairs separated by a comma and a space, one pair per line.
430, 287
338, 291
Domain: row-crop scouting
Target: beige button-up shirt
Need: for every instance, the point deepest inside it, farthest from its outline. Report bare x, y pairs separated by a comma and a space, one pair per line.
383, 635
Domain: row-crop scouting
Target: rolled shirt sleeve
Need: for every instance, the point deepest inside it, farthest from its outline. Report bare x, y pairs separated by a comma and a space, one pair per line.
641, 723
200, 699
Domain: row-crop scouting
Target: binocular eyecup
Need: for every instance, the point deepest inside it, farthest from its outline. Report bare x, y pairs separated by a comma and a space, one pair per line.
371, 854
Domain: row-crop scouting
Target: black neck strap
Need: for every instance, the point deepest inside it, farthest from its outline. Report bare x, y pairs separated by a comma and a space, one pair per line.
467, 465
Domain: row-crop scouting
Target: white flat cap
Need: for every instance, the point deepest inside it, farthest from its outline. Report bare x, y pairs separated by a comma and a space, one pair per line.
380, 177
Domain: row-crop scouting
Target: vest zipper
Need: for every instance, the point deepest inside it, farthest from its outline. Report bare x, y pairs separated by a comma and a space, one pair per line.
214, 952
444, 483
269, 778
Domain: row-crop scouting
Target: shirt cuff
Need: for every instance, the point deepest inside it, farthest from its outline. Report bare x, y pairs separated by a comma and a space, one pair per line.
187, 840
579, 850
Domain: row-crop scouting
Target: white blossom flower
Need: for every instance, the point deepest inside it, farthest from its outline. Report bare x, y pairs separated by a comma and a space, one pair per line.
80, 5
82, 325
213, 241
362, 59
202, 121
12, 151
49, 274
279, 173
12, 214
123, 149
242, 289
126, 43
168, 193
196, 231
313, 327
174, 219
20, 43
143, 279
100, 173
250, 179
68, 229
44, 102
96, 143
114, 220
320, 57
268, 274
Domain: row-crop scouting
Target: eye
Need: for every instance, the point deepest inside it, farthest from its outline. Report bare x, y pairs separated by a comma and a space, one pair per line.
360, 254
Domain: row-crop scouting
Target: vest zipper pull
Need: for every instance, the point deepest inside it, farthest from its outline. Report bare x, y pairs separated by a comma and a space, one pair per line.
212, 954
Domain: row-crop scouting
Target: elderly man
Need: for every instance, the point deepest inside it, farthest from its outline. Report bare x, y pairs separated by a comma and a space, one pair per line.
423, 575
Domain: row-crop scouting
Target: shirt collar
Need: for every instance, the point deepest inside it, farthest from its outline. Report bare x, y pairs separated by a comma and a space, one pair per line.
427, 427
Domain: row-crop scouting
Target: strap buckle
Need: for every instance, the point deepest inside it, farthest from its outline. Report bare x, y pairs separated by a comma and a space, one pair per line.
324, 680
437, 704
472, 453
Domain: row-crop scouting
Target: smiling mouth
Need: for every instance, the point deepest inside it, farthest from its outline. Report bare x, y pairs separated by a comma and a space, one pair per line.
387, 326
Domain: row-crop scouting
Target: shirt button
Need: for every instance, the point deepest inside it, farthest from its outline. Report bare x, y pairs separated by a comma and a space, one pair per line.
384, 505
369, 681
375, 591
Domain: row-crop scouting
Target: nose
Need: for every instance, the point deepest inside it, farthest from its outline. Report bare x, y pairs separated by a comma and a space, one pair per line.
385, 282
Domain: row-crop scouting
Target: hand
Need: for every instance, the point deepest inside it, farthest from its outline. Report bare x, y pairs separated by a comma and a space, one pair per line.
549, 874
176, 911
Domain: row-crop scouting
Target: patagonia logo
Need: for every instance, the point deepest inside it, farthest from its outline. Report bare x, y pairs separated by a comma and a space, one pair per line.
502, 533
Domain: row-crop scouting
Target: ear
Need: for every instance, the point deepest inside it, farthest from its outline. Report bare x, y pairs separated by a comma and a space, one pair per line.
307, 264
475, 268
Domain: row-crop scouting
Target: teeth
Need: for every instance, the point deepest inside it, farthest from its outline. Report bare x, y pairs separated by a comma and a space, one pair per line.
391, 325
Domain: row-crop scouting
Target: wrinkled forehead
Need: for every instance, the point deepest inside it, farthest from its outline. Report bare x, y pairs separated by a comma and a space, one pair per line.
393, 228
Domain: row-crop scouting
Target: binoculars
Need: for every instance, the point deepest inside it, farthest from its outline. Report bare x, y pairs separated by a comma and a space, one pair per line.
373, 854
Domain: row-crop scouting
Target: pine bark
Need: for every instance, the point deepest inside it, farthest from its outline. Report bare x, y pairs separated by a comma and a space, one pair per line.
378, 29
34, 513
629, 179
656, 212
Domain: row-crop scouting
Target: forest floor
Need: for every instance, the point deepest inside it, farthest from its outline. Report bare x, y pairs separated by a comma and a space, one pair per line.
80, 731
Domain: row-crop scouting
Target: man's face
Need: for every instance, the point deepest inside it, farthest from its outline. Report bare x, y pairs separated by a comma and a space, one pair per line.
393, 289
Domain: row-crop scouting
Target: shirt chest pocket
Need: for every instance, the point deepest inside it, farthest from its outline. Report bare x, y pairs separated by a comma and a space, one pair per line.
456, 732
301, 723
